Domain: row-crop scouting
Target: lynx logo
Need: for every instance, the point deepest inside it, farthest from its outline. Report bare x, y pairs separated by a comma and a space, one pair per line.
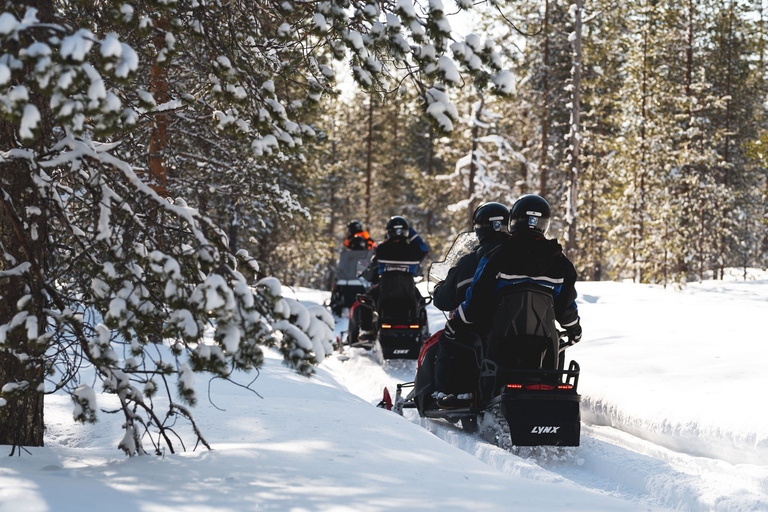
400, 351
545, 430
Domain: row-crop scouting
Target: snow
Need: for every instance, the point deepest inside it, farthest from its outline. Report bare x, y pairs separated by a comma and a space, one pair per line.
77, 45
320, 24
673, 419
8, 23
505, 82
29, 121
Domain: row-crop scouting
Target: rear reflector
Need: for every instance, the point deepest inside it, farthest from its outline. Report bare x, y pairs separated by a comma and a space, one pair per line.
544, 387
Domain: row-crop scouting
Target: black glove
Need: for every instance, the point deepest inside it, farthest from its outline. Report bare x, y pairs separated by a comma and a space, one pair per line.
574, 332
452, 327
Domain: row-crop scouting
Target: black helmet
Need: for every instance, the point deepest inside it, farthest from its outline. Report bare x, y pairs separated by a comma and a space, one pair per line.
490, 218
397, 226
354, 228
530, 212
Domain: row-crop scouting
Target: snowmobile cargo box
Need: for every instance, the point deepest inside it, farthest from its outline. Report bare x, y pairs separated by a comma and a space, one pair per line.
541, 407
401, 316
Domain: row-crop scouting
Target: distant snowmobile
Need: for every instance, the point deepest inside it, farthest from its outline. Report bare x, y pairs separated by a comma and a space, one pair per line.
349, 282
518, 400
399, 318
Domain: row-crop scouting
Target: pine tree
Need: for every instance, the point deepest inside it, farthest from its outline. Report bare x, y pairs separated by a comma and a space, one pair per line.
113, 113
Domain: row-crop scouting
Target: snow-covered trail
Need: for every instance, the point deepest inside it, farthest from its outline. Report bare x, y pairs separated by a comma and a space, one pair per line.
608, 461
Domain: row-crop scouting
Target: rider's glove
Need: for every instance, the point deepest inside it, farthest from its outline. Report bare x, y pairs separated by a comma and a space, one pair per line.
454, 326
574, 332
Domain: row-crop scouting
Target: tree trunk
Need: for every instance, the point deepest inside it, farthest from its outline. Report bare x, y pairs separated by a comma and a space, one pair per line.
21, 419
473, 164
369, 163
158, 138
544, 106
574, 168
332, 221
638, 234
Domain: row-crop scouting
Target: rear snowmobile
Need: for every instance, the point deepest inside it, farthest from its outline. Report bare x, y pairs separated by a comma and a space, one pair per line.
512, 406
523, 394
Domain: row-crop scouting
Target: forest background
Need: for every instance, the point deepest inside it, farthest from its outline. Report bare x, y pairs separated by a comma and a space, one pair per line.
672, 178
160, 160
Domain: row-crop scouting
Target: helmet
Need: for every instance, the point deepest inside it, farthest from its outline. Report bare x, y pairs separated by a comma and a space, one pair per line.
397, 226
490, 218
530, 212
354, 228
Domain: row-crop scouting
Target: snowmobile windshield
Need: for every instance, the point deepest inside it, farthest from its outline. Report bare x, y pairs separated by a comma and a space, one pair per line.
464, 243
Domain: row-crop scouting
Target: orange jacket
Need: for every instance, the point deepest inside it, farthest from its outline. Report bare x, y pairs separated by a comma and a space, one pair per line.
369, 243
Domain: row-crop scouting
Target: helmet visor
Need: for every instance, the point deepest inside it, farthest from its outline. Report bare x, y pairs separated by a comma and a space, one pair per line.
538, 223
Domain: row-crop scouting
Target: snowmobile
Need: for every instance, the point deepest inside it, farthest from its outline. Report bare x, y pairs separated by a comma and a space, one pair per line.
524, 395
512, 406
349, 283
399, 317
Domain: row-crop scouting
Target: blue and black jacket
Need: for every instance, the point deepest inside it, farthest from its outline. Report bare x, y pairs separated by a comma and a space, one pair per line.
449, 294
524, 257
400, 254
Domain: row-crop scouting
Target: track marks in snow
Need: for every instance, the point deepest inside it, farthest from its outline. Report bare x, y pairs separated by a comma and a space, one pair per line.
671, 479
608, 461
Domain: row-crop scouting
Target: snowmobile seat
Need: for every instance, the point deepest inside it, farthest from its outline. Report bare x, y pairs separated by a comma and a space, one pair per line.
398, 296
523, 334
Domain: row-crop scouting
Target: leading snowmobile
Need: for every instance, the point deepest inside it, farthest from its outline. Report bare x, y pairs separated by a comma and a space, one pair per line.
349, 281
524, 394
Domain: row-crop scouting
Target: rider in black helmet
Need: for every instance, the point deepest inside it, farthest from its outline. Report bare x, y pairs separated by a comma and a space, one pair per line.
530, 212
357, 238
490, 224
526, 257
403, 250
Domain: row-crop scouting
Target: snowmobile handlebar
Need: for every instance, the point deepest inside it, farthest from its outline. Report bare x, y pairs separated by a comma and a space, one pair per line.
565, 340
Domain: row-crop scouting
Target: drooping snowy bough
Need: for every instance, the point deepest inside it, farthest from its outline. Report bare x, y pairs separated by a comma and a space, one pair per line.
110, 114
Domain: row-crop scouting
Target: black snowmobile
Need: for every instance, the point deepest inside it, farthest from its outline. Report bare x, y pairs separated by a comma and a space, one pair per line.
349, 282
524, 395
399, 317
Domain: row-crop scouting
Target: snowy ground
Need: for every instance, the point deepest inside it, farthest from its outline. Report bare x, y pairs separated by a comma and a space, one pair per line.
673, 419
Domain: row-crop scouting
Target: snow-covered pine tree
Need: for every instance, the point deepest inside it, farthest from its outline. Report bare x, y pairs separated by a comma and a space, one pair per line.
604, 49
103, 262
487, 170
99, 269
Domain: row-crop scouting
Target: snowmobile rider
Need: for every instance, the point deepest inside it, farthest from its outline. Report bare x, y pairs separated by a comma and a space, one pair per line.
358, 239
527, 256
490, 224
402, 250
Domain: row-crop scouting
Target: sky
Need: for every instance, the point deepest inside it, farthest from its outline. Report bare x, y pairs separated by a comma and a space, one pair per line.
672, 419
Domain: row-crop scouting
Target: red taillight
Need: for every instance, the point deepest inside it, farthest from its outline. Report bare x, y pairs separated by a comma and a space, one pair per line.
386, 326
544, 387
564, 386
515, 386
415, 326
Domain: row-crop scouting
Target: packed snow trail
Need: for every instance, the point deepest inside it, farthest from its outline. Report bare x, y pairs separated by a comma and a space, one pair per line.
608, 460
636, 443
